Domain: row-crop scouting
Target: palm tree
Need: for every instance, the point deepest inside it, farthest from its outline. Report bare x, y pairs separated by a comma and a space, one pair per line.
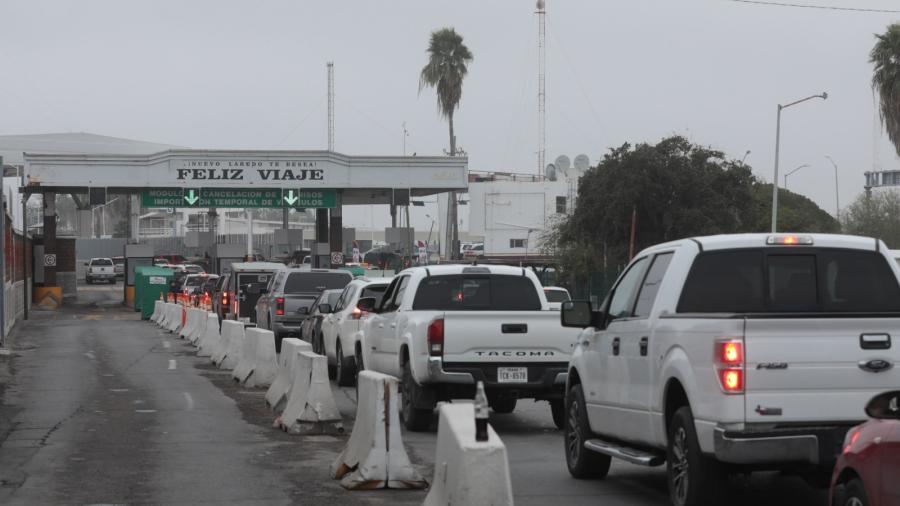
445, 71
447, 64
886, 81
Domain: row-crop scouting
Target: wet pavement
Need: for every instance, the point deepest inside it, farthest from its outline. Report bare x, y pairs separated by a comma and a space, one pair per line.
99, 407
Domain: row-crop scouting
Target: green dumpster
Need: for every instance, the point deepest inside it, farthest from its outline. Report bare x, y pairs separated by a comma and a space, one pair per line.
149, 283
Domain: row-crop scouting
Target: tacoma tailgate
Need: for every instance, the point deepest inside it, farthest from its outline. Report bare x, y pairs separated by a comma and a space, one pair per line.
506, 336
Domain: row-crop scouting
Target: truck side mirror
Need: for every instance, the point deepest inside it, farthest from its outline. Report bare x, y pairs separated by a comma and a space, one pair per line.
577, 314
366, 304
324, 308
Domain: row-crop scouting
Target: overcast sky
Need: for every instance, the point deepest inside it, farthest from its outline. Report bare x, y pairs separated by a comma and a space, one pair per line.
240, 74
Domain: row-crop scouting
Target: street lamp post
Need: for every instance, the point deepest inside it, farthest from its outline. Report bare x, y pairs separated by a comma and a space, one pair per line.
823, 96
837, 203
791, 172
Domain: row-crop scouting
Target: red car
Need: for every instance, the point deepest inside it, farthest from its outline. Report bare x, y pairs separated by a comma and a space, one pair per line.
868, 470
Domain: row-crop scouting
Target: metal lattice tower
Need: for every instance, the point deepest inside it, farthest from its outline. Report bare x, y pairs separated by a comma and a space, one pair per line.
330, 66
542, 91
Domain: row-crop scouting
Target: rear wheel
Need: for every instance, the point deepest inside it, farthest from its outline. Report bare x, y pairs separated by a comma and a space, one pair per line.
693, 478
413, 417
854, 494
343, 371
582, 463
503, 405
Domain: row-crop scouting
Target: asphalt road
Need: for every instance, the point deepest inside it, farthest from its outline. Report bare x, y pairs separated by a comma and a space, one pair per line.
98, 407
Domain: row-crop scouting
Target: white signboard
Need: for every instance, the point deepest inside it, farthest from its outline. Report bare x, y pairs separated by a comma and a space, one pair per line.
157, 280
243, 169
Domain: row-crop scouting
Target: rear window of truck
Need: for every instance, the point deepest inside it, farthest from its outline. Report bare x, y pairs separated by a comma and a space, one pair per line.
484, 293
797, 281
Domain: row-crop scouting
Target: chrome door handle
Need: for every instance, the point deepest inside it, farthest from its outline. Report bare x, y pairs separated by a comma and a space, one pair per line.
615, 346
393, 325
877, 440
381, 325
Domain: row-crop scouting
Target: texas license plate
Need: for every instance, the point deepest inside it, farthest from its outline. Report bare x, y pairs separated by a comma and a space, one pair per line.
512, 375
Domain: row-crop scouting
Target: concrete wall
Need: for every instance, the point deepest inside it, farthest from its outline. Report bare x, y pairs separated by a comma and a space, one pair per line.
86, 249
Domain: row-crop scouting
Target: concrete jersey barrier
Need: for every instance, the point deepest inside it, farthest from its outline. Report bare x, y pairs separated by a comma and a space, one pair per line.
374, 456
188, 323
199, 326
311, 408
211, 338
235, 341
468, 471
173, 322
281, 386
163, 315
155, 315
230, 345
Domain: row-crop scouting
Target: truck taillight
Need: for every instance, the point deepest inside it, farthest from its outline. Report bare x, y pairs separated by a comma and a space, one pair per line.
730, 352
436, 338
729, 359
225, 307
279, 306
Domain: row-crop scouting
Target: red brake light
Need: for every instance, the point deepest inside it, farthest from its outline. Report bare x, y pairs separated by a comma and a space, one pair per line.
731, 352
789, 240
279, 306
729, 358
733, 380
436, 338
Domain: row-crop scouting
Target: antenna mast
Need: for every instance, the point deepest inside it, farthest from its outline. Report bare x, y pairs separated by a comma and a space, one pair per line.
542, 91
330, 66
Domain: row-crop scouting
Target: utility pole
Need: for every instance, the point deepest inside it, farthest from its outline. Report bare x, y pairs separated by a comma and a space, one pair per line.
542, 90
330, 66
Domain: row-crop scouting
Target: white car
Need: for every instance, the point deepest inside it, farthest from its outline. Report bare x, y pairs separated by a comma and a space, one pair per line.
100, 269
340, 326
556, 296
732, 353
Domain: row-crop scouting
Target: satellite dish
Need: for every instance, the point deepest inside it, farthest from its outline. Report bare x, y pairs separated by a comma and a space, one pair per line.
550, 172
562, 163
582, 163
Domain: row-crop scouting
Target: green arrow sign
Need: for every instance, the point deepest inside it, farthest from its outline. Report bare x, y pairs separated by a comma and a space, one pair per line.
313, 198
238, 198
191, 197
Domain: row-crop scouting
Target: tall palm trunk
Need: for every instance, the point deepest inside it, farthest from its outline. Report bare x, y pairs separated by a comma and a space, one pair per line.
452, 220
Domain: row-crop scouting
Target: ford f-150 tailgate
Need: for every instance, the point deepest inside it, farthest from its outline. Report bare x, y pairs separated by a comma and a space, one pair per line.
818, 369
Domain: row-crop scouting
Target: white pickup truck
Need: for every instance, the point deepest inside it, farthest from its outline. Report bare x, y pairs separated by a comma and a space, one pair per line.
732, 354
100, 269
442, 328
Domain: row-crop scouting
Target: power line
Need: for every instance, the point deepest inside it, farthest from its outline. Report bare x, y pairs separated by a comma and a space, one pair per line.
820, 7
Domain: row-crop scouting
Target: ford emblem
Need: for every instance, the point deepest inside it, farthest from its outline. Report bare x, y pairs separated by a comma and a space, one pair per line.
876, 365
